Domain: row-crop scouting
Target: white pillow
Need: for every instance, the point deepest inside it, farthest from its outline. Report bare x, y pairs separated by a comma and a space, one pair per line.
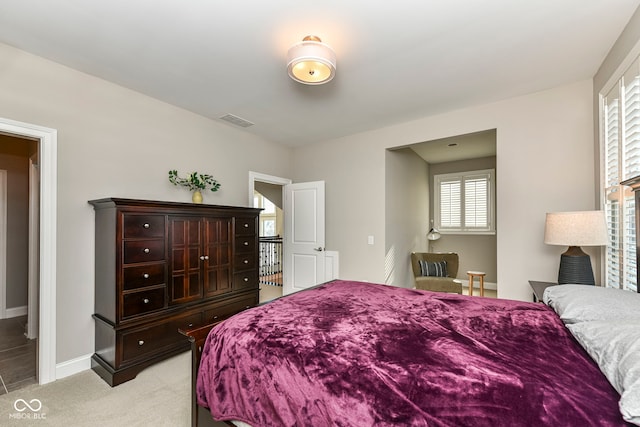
615, 346
579, 303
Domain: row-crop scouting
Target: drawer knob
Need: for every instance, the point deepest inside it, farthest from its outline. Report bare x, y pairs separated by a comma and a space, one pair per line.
246, 279
141, 342
146, 250
190, 324
146, 225
146, 300
246, 261
214, 318
246, 243
246, 225
145, 275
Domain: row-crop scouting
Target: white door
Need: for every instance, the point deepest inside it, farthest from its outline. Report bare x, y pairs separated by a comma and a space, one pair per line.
304, 236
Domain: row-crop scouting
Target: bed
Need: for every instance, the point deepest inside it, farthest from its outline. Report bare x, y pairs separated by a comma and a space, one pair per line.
350, 353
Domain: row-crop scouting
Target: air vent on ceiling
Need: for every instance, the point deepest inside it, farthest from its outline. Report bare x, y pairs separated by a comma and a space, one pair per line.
238, 121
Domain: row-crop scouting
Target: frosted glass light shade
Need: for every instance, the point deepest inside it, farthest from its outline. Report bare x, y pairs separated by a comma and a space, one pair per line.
586, 228
311, 62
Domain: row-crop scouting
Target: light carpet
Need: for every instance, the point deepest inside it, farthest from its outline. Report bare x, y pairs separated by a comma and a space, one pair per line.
158, 396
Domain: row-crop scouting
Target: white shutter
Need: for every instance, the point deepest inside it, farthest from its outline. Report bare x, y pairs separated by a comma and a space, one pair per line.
464, 201
631, 168
476, 202
612, 190
631, 125
450, 203
621, 124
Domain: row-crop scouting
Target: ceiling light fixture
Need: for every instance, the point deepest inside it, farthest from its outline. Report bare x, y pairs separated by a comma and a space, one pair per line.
311, 62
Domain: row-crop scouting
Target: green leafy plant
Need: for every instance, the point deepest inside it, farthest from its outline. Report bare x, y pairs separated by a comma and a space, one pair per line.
195, 181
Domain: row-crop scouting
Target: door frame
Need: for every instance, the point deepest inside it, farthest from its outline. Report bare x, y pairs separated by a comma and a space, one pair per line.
268, 179
47, 149
3, 243
34, 237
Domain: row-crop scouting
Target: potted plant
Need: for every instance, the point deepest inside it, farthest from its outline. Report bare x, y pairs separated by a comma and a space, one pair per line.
195, 182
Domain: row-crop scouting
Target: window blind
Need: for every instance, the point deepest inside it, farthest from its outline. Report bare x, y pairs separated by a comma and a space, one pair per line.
464, 201
621, 141
450, 198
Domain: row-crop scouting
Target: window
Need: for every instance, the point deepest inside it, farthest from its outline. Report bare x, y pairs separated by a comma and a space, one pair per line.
620, 140
464, 202
268, 216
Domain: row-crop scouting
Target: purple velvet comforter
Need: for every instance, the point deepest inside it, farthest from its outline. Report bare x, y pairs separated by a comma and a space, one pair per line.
359, 354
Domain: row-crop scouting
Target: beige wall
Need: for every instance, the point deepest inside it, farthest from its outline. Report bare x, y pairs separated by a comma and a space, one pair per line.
116, 142
544, 163
476, 252
406, 214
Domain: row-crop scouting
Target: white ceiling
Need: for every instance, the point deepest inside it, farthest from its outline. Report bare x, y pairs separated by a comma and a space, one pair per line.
460, 147
397, 61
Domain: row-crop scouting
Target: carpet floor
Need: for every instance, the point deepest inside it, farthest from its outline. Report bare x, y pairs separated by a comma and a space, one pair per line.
158, 396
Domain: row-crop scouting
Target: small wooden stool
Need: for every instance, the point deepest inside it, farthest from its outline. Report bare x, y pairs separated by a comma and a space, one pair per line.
480, 275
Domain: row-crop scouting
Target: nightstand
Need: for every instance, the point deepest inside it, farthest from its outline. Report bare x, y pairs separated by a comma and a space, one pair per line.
538, 289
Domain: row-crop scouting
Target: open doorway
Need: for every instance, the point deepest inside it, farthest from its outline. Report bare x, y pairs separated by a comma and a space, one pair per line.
266, 193
19, 213
268, 197
432, 180
47, 140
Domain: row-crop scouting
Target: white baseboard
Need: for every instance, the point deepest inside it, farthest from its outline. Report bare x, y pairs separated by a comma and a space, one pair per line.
73, 366
15, 312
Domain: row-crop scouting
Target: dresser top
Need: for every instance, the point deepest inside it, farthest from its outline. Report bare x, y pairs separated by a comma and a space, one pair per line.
112, 202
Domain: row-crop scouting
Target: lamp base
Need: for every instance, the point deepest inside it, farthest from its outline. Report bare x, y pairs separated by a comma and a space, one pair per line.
575, 267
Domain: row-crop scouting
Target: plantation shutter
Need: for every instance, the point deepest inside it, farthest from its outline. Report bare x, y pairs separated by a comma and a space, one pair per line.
450, 203
631, 168
476, 202
621, 125
612, 187
464, 201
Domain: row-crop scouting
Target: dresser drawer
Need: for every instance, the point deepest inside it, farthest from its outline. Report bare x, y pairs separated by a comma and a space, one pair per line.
245, 244
154, 339
230, 308
143, 276
245, 261
143, 251
143, 226
142, 302
245, 280
245, 226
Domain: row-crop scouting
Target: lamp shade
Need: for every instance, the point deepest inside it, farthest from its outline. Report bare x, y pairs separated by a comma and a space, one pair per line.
311, 62
586, 228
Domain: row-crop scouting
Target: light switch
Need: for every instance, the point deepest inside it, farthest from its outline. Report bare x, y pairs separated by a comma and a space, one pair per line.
370, 240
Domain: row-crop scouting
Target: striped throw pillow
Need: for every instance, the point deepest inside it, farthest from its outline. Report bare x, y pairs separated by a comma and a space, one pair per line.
434, 269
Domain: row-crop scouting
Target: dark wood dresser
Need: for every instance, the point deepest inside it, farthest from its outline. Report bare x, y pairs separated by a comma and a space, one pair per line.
164, 266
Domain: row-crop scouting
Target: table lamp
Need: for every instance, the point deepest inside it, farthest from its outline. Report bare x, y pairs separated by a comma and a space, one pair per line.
575, 229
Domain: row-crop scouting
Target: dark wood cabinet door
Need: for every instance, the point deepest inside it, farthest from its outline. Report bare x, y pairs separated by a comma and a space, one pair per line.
218, 247
186, 259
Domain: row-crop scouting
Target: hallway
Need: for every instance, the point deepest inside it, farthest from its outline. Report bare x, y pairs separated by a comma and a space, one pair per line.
17, 355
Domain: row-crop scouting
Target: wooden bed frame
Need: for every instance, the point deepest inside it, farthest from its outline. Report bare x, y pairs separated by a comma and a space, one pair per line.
197, 335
